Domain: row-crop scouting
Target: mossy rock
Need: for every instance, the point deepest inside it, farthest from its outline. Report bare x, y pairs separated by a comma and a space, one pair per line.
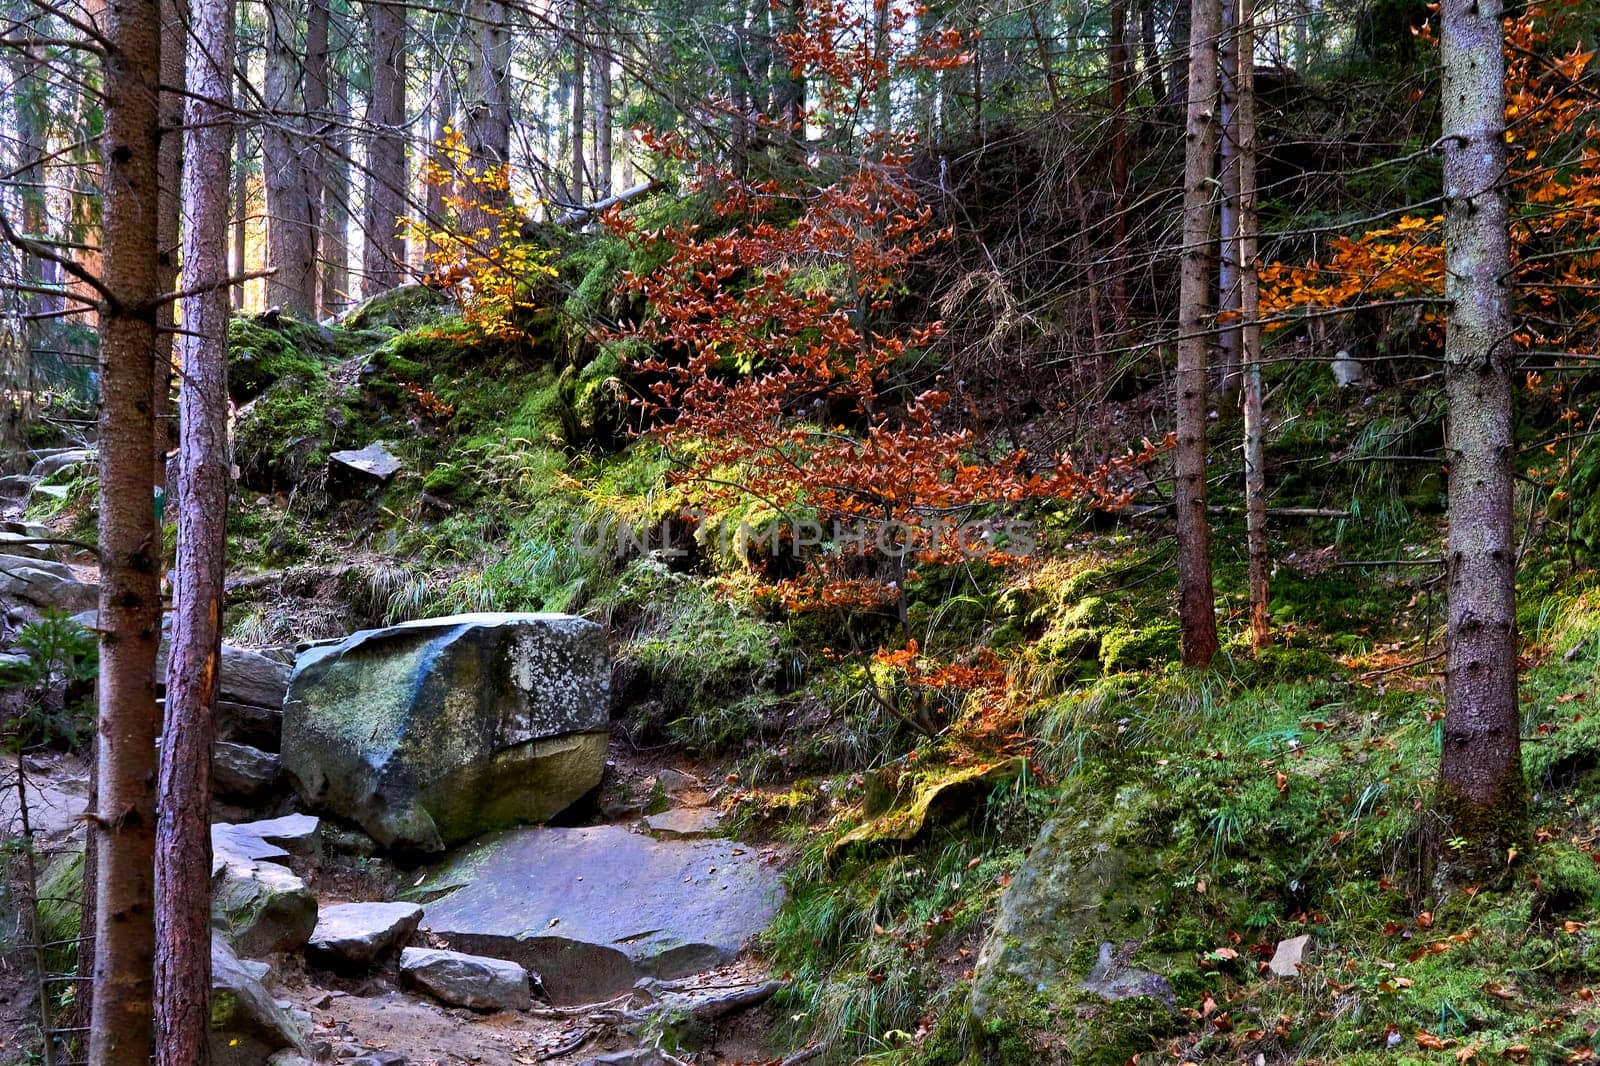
942, 799
265, 349
401, 308
594, 401
1071, 971
1131, 649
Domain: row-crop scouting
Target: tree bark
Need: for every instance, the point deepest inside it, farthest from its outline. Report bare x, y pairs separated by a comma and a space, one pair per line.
130, 603
336, 295
174, 22
601, 63
241, 211
291, 212
1151, 51
312, 162
384, 248
1120, 66
1197, 617
183, 846
1230, 335
1482, 794
580, 114
1255, 474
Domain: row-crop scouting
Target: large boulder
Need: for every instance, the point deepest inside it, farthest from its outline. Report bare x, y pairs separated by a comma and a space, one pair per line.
434, 731
593, 910
246, 1025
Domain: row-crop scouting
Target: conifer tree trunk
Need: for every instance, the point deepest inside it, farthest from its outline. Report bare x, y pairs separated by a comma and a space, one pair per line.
174, 22
384, 248
1197, 617
312, 163
1120, 65
291, 214
1482, 794
603, 122
130, 603
1230, 336
183, 847
580, 114
1255, 475
336, 200
241, 211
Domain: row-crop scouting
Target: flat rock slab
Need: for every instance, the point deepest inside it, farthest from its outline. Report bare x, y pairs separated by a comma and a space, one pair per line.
292, 840
593, 910
684, 822
462, 980
357, 935
374, 460
435, 731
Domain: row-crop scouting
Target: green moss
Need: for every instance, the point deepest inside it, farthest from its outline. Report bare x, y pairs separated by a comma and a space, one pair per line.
266, 349
1130, 649
404, 307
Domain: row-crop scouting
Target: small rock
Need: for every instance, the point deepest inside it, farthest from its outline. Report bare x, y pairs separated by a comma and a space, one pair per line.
291, 840
636, 1056
1286, 960
375, 461
682, 823
379, 1058
461, 980
16, 486
672, 781
242, 773
360, 934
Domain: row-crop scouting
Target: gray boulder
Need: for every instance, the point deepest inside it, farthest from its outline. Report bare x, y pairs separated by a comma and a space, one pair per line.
250, 689
45, 584
247, 1027
242, 773
432, 732
466, 980
24, 542
357, 935
593, 910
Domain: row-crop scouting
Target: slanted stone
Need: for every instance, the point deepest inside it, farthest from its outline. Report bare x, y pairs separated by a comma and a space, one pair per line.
461, 980
1287, 958
593, 910
682, 823
45, 584
246, 678
291, 840
54, 462
375, 461
435, 731
240, 772
357, 935
247, 1027
16, 486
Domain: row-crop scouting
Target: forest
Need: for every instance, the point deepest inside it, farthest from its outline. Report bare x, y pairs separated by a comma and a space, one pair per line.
799, 531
